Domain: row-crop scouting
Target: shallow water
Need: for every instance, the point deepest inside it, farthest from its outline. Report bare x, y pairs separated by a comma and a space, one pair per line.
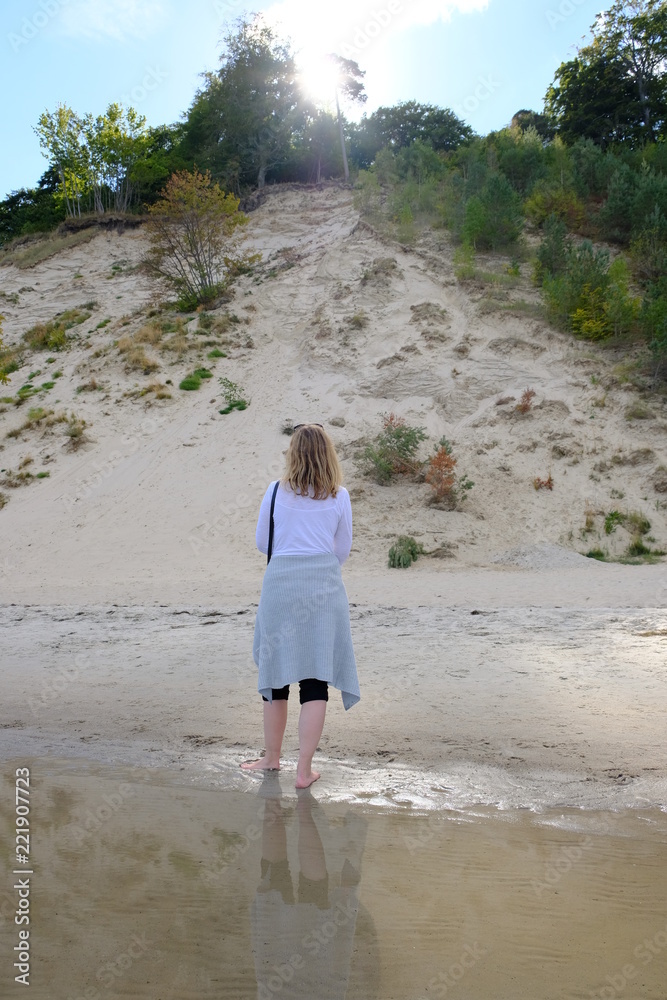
147, 886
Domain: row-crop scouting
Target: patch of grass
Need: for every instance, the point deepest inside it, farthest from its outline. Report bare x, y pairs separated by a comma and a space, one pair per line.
90, 386
14, 480
358, 321
26, 253
35, 416
216, 353
599, 554
4, 500
105, 322
75, 431
42, 475
52, 336
404, 552
136, 358
189, 383
613, 518
47, 385
203, 373
380, 272
637, 411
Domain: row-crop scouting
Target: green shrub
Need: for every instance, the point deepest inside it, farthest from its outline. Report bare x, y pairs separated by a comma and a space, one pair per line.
233, 395
597, 554
590, 297
190, 383
553, 251
203, 373
404, 552
493, 218
547, 200
393, 451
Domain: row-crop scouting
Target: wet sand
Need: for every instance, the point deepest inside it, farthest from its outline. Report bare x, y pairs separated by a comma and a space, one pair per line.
146, 886
525, 707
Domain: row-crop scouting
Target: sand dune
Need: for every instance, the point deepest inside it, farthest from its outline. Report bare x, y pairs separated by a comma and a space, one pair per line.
337, 325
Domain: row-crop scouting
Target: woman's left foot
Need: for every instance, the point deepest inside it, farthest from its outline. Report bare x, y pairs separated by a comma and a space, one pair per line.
260, 765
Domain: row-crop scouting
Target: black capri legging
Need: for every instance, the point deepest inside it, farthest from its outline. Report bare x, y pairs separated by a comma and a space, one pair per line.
309, 690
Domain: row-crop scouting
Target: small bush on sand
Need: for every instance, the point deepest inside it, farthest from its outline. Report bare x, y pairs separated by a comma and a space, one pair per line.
447, 487
526, 402
233, 394
75, 431
52, 336
404, 552
394, 451
190, 383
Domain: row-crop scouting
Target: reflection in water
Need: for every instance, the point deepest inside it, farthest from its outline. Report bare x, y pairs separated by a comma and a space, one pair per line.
147, 888
303, 933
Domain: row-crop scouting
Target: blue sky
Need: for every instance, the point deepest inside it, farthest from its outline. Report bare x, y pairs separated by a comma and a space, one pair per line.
485, 59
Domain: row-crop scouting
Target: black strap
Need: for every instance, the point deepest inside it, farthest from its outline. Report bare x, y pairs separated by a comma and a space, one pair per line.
273, 503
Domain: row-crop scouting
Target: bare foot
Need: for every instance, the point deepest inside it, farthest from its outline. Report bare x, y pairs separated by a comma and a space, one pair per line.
307, 780
263, 764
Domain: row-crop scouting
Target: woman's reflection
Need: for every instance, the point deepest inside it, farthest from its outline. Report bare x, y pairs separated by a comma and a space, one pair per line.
303, 939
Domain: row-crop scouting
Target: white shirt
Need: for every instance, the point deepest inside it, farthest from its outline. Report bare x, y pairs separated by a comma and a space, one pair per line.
305, 526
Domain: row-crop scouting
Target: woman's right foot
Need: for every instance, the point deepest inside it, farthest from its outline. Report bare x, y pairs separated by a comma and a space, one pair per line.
263, 764
306, 780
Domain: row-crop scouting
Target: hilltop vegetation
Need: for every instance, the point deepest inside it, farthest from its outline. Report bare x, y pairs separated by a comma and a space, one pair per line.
590, 167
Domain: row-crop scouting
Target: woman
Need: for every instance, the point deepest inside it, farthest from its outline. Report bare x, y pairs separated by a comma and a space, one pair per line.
302, 629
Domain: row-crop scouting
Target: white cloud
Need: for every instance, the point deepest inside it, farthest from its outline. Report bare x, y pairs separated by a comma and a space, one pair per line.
351, 26
115, 19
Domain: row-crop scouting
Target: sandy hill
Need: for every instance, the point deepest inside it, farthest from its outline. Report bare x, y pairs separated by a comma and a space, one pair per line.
336, 325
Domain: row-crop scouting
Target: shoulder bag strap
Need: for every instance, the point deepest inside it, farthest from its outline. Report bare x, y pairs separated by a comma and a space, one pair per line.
273, 503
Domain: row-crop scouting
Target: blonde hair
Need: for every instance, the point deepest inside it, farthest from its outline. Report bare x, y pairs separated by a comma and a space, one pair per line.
311, 460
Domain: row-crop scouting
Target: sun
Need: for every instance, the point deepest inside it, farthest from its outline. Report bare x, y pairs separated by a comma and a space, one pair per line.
318, 77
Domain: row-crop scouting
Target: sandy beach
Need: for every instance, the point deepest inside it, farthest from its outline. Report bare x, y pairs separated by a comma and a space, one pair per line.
513, 690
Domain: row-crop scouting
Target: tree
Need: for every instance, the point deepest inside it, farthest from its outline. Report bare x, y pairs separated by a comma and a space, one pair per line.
32, 210
191, 231
60, 139
635, 31
526, 119
399, 126
116, 141
348, 82
615, 89
240, 124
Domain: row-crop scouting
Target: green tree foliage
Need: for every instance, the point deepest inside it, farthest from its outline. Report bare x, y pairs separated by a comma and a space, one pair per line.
95, 158
31, 210
494, 218
584, 292
615, 89
61, 142
115, 142
191, 230
240, 124
405, 123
